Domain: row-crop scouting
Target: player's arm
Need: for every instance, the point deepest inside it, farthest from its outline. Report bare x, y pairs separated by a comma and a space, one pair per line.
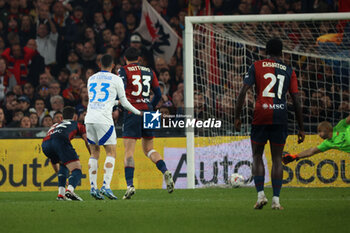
123, 100
293, 90
347, 120
249, 80
156, 90
82, 133
299, 115
287, 158
239, 106
84, 137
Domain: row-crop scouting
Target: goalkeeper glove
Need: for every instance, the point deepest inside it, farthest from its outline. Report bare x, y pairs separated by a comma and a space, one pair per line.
287, 158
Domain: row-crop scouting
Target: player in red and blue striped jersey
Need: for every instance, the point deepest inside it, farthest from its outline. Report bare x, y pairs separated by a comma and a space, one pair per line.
58, 148
272, 80
139, 81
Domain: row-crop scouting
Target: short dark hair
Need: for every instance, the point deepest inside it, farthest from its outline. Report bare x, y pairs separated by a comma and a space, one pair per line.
132, 54
106, 61
57, 112
68, 112
274, 47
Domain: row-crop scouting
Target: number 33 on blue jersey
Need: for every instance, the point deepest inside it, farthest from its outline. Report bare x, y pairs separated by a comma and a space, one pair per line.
104, 88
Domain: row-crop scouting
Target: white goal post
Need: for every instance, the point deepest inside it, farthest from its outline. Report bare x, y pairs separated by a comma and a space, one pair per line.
214, 21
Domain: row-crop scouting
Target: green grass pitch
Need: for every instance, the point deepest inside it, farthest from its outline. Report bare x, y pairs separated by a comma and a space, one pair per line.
200, 210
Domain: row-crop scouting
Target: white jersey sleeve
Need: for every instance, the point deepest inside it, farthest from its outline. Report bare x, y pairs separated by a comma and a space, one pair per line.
123, 100
103, 88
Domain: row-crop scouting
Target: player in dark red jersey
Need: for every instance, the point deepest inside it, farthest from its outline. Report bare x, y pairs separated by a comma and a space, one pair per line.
272, 80
139, 81
58, 148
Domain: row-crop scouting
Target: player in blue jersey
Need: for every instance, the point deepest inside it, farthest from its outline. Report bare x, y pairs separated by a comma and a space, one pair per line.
58, 148
139, 81
272, 80
104, 87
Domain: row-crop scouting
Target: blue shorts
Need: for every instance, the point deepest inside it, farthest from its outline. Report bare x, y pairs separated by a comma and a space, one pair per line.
276, 134
59, 150
133, 127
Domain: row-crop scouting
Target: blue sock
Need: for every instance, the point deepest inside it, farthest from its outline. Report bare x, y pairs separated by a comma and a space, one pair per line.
161, 166
75, 177
129, 176
62, 176
276, 187
259, 183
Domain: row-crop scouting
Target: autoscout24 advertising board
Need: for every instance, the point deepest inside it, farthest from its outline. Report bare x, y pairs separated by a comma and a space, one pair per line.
23, 167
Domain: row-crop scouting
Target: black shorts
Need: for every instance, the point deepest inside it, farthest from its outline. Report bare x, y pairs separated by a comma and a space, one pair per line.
59, 150
276, 134
133, 127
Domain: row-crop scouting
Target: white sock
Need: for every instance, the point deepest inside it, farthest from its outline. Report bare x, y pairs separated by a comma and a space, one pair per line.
61, 190
70, 188
107, 177
276, 199
93, 168
261, 194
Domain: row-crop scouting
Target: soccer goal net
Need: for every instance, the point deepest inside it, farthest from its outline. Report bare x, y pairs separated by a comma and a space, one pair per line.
219, 51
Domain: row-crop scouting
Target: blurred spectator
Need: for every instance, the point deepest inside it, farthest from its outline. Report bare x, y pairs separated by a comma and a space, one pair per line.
72, 93
25, 122
63, 77
36, 64
7, 79
10, 105
17, 89
87, 74
34, 119
27, 30
73, 64
28, 90
164, 76
106, 38
24, 104
17, 59
57, 104
16, 119
60, 15
84, 97
130, 23
120, 31
2, 118
39, 108
88, 55
43, 92
44, 79
146, 55
99, 22
75, 25
109, 13
47, 41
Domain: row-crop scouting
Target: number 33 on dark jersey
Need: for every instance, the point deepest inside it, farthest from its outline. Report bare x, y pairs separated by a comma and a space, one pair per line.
272, 80
138, 83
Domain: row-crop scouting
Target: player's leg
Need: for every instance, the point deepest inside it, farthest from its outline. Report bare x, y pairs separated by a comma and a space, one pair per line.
91, 132
152, 154
93, 168
258, 172
278, 136
129, 166
75, 177
276, 174
258, 139
63, 173
108, 171
49, 151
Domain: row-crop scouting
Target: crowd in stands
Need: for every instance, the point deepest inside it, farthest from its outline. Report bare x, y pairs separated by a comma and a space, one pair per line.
50, 48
